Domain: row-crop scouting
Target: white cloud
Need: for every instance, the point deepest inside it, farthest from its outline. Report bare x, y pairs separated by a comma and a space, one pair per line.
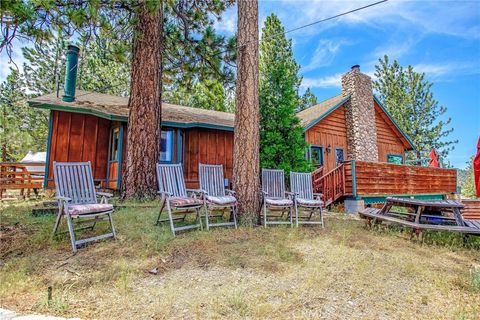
228, 22
332, 81
324, 54
437, 71
6, 64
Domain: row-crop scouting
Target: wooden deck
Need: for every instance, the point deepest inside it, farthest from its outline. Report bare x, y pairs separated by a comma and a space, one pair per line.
378, 180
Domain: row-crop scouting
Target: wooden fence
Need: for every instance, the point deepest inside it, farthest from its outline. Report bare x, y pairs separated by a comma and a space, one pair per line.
17, 176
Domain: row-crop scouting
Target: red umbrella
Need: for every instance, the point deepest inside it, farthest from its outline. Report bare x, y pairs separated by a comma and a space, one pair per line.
476, 169
433, 162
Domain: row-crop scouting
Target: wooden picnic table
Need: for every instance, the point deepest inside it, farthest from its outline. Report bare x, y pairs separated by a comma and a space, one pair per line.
442, 215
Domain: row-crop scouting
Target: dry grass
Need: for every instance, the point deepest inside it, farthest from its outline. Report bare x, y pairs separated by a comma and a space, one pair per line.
344, 271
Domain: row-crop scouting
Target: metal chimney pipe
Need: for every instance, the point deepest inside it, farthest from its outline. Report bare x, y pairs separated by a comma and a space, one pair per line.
71, 73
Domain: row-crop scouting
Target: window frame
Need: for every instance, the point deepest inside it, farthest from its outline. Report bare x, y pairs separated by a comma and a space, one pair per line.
396, 155
113, 146
173, 150
322, 160
343, 152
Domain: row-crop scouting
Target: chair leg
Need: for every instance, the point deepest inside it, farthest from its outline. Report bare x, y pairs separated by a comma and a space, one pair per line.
234, 210
172, 226
291, 216
321, 216
206, 216
160, 213
111, 226
264, 214
296, 213
199, 218
57, 222
72, 232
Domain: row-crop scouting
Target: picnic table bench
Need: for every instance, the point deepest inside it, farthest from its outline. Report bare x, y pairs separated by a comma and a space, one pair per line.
442, 215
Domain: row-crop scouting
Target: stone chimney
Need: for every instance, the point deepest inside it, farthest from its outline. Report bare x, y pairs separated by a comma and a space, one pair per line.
360, 116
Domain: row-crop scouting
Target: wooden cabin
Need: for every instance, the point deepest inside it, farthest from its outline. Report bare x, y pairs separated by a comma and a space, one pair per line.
93, 128
358, 147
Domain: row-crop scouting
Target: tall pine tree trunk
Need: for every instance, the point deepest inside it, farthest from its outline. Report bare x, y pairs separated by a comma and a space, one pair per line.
246, 168
144, 119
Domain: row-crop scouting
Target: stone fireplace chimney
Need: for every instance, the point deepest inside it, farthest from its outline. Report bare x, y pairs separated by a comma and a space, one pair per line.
360, 116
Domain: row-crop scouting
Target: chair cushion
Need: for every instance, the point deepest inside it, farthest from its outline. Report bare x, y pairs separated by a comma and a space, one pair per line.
279, 202
222, 200
309, 202
184, 201
79, 209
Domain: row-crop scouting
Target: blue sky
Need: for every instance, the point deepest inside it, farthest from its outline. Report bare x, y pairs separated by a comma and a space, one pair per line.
440, 38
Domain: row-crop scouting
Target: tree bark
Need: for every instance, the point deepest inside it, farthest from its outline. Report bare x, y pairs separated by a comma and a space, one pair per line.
144, 120
246, 167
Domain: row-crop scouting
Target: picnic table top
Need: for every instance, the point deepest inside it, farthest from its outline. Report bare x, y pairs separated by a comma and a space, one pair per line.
416, 202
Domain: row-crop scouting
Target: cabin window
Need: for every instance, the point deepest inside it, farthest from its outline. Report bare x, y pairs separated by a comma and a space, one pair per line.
166, 146
316, 155
115, 137
394, 158
339, 156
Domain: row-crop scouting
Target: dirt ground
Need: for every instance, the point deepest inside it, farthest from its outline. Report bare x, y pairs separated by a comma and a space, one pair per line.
344, 271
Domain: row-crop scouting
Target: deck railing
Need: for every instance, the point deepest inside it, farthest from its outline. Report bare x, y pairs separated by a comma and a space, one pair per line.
21, 176
331, 184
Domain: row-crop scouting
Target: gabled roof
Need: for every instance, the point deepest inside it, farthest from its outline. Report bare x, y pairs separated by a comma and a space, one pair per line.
116, 108
313, 115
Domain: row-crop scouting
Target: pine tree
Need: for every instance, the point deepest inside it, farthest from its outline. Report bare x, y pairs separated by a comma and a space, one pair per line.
308, 99
408, 97
282, 144
246, 167
21, 128
468, 185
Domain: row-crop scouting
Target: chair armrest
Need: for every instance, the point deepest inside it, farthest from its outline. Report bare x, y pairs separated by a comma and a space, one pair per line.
168, 194
63, 198
195, 190
318, 195
230, 191
265, 193
105, 194
290, 193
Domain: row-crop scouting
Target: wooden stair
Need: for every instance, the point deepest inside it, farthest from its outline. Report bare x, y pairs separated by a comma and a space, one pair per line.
330, 184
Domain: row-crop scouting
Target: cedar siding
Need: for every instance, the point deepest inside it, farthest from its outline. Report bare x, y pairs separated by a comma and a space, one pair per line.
329, 131
208, 146
388, 138
79, 137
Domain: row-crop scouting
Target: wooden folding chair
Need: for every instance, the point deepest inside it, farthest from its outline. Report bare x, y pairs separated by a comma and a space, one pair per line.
305, 199
177, 199
275, 198
217, 198
77, 199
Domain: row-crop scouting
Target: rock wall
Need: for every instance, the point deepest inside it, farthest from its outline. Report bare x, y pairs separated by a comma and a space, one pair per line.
360, 116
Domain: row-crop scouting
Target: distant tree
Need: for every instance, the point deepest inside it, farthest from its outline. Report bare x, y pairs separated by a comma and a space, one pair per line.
308, 99
408, 97
21, 128
282, 144
468, 186
246, 169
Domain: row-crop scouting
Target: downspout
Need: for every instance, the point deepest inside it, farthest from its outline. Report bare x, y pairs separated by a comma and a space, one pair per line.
120, 158
354, 180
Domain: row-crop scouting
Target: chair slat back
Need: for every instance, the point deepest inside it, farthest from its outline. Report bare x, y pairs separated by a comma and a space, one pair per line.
211, 179
75, 181
301, 184
170, 179
273, 183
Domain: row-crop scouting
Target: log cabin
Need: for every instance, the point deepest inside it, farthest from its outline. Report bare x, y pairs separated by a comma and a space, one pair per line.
357, 146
